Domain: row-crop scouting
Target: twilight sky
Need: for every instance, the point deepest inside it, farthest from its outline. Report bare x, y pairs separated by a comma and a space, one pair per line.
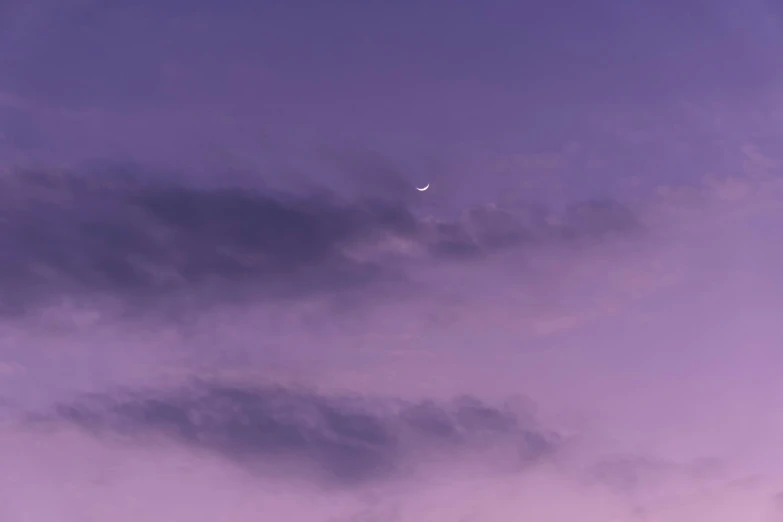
221, 297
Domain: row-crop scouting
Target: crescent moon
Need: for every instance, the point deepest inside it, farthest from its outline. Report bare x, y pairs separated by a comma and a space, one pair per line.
424, 188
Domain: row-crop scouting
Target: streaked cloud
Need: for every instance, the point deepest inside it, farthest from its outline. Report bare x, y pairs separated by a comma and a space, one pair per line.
347, 439
121, 233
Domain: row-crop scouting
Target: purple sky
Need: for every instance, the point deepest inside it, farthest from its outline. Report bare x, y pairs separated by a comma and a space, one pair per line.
221, 297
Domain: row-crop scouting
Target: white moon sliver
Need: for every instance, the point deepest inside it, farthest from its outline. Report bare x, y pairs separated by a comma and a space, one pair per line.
424, 188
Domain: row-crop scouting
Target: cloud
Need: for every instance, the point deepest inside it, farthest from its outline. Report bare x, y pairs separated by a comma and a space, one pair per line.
137, 237
418, 456
350, 440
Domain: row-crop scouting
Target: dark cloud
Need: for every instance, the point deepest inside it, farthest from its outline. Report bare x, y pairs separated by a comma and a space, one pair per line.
349, 439
122, 234
131, 236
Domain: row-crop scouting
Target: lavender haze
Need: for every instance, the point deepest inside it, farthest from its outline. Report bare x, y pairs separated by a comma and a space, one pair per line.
223, 298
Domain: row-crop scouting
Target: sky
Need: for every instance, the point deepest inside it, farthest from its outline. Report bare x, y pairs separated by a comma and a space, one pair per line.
223, 298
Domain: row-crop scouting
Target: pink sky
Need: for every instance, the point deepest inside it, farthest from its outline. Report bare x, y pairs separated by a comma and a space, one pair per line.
222, 298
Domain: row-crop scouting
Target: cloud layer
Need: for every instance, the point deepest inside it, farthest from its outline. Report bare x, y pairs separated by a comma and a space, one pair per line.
635, 320
345, 440
121, 233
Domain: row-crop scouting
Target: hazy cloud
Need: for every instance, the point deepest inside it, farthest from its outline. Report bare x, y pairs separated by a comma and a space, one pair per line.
351, 439
121, 233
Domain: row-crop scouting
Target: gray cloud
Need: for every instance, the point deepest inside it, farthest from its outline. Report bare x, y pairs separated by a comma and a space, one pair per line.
127, 234
130, 236
350, 439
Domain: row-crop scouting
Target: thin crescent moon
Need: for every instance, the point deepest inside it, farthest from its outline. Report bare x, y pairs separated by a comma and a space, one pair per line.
423, 189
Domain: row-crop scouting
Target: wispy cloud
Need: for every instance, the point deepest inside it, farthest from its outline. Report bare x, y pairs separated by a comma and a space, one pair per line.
121, 233
348, 439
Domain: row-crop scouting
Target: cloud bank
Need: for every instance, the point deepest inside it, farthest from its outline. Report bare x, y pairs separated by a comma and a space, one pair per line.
344, 440
130, 235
